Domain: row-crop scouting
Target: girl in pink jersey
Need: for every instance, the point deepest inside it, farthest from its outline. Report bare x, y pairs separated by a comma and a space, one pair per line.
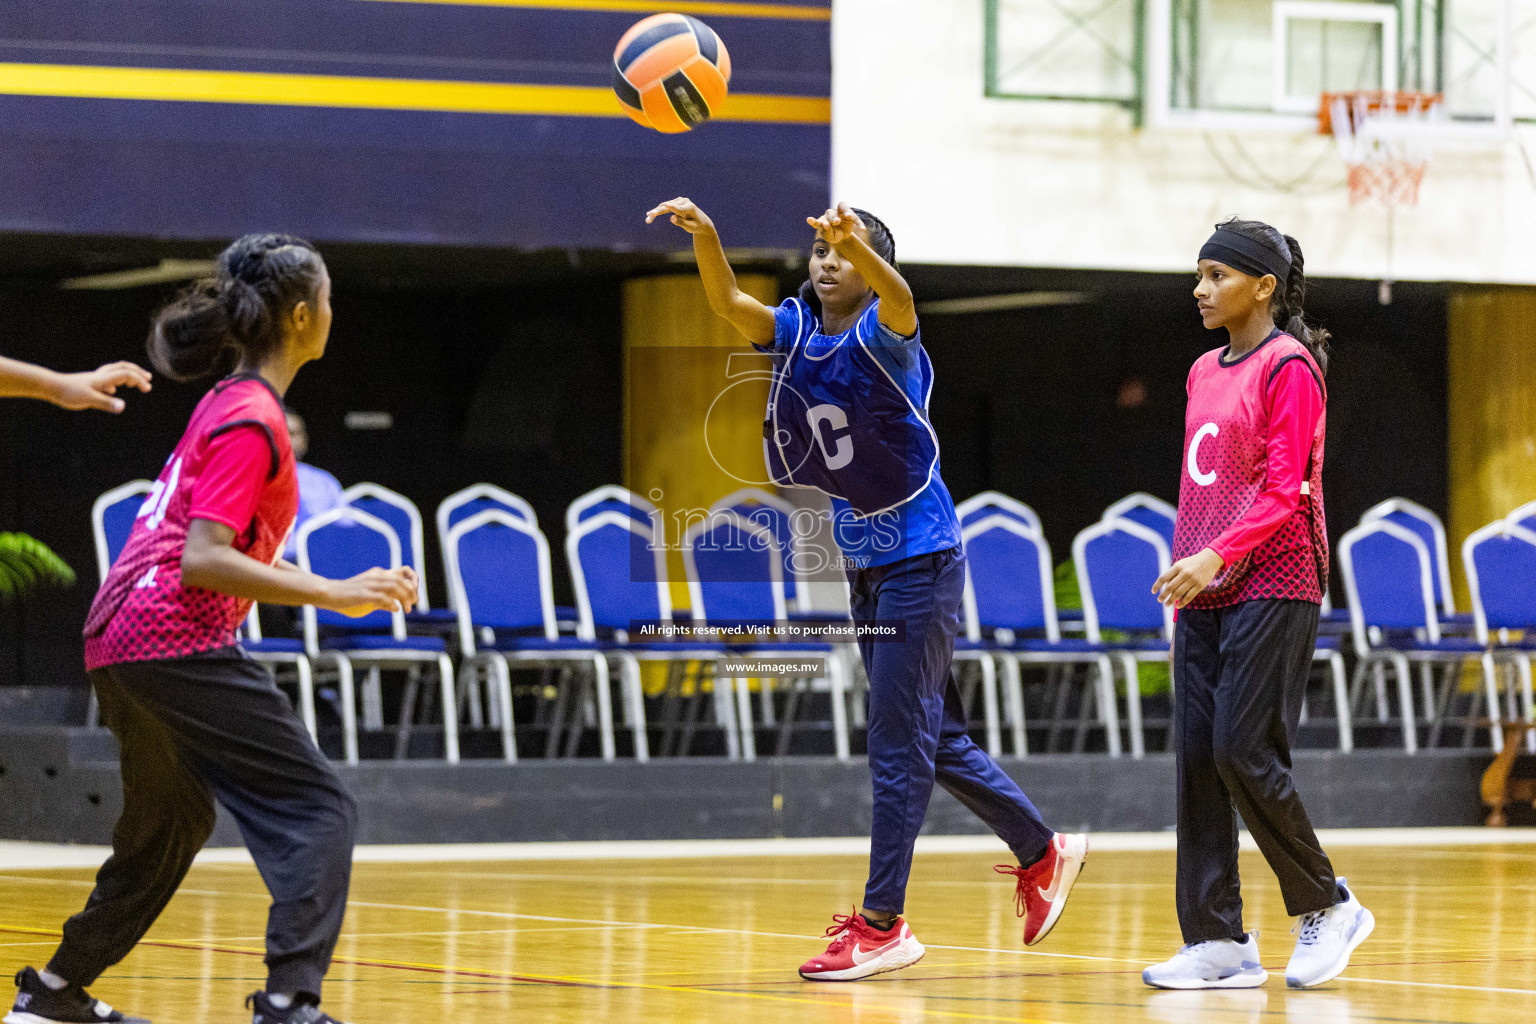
195, 719
1251, 552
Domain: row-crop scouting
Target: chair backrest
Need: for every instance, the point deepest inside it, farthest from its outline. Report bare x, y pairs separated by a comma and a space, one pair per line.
1009, 583
338, 544
112, 516
404, 518
989, 503
1410, 515
735, 570
1501, 564
1388, 577
499, 574
1524, 516
609, 498
1117, 562
1146, 509
618, 572
778, 516
473, 500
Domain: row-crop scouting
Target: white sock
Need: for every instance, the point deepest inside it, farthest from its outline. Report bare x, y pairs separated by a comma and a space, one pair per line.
281, 1000
53, 981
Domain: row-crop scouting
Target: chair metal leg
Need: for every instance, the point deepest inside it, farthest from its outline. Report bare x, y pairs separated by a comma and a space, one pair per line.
373, 702
744, 713
348, 691
1379, 676
600, 684
451, 709
765, 701
1013, 696
500, 674
92, 709
1491, 689
1427, 688
725, 717
307, 696
629, 668
1405, 697
848, 657
989, 706
468, 701
1109, 715
1341, 703
837, 680
1133, 705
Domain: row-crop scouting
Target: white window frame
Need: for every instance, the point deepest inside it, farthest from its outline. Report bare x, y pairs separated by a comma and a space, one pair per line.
1286, 11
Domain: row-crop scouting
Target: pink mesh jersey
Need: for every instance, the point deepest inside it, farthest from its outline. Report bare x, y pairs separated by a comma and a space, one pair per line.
1252, 483
233, 466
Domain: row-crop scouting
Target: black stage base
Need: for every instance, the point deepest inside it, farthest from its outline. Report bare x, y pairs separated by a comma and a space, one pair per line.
61, 785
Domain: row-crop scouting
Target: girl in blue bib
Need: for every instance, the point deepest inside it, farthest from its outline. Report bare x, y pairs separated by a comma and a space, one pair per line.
848, 415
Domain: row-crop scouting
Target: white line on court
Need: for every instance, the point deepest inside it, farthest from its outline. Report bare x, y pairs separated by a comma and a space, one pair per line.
23, 856
1441, 984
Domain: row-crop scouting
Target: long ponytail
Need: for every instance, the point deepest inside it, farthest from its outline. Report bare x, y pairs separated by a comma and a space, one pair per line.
880, 239
237, 314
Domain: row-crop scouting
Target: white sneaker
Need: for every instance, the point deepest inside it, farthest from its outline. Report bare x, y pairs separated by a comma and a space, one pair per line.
1221, 963
1326, 939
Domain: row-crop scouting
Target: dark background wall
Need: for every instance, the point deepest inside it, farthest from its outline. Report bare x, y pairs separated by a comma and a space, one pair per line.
516, 378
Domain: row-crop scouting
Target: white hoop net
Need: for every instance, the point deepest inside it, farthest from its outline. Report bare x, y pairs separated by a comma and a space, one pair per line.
1384, 138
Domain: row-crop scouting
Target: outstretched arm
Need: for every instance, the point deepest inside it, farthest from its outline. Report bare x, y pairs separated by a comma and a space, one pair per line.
93, 389
846, 232
753, 319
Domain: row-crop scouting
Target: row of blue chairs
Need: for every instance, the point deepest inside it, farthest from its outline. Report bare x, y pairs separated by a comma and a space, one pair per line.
501, 609
1400, 607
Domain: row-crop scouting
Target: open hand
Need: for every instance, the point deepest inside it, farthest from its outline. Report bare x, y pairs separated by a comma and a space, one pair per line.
97, 389
386, 590
837, 225
1187, 577
684, 214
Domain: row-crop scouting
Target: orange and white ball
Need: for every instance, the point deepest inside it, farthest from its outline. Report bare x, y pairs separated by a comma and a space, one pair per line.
671, 72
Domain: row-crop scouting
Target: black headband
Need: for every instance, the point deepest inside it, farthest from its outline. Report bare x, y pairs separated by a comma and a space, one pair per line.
1248, 255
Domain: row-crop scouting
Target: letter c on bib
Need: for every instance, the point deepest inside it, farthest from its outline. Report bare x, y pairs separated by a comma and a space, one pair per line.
1203, 479
842, 447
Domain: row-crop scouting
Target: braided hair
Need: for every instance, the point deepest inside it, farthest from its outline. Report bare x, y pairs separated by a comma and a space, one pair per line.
880, 239
1285, 305
236, 315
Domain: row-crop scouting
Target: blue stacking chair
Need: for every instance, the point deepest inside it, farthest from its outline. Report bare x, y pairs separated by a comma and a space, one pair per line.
112, 516
609, 498
1500, 560
476, 498
1389, 576
993, 503
1417, 519
619, 575
735, 576
778, 516
1146, 510
499, 573
1117, 561
404, 518
1010, 612
341, 543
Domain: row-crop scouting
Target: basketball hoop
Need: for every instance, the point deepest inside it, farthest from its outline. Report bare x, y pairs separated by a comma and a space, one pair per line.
1384, 140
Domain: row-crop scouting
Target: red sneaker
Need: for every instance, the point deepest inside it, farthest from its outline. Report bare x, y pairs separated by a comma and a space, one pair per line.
1045, 885
859, 950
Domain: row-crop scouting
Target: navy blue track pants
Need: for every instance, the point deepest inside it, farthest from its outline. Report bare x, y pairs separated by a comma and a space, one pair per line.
917, 727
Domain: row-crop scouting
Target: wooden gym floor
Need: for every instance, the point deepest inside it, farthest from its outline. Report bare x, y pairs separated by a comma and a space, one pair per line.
718, 939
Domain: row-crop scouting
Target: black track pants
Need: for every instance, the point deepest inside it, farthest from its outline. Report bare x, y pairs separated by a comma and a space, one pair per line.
193, 729
1239, 676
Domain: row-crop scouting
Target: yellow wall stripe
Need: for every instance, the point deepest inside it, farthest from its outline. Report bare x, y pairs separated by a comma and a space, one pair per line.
704, 8
198, 86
